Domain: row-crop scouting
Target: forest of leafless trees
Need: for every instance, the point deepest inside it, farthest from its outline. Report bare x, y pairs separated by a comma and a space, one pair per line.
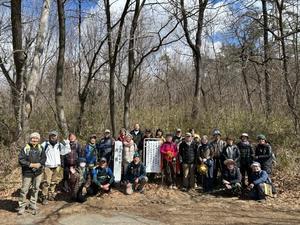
85, 65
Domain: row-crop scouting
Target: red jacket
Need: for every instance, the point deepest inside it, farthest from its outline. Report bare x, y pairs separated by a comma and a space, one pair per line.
169, 150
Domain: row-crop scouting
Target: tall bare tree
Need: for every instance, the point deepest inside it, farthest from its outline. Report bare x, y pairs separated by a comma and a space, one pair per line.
35, 73
59, 84
266, 61
195, 47
113, 50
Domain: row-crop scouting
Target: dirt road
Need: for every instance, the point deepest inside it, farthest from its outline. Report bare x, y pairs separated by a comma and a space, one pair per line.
157, 206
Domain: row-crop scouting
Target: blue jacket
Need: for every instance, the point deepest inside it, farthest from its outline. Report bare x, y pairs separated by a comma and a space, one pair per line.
102, 176
260, 177
90, 154
105, 147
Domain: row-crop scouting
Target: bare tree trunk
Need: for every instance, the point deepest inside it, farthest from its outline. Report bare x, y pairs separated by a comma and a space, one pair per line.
19, 61
290, 92
113, 53
131, 61
35, 76
59, 98
268, 81
244, 59
196, 48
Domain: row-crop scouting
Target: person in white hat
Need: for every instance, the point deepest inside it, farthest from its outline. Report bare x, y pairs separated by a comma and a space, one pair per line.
105, 147
32, 159
246, 158
260, 183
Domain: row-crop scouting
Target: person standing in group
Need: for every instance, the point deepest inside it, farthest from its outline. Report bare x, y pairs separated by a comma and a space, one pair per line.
205, 167
247, 156
177, 138
187, 157
230, 151
169, 153
32, 159
159, 134
147, 134
137, 136
263, 154
129, 148
54, 149
122, 134
105, 148
71, 159
91, 152
217, 146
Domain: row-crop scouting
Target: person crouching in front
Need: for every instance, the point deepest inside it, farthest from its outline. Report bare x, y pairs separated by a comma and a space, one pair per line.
261, 184
102, 178
232, 177
135, 177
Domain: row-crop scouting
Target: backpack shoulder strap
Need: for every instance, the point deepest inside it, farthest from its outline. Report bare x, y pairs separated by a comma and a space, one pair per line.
27, 149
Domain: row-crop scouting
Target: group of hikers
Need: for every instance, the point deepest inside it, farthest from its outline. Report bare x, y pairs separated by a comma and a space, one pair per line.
188, 161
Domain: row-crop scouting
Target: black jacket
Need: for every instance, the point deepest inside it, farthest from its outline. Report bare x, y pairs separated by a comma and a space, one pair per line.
137, 138
187, 152
30, 154
263, 155
233, 176
203, 152
135, 171
247, 153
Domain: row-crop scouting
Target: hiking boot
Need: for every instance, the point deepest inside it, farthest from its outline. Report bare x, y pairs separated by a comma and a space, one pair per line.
170, 187
184, 189
51, 198
34, 212
45, 201
21, 211
174, 187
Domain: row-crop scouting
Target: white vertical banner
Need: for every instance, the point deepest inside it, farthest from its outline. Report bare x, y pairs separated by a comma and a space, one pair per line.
152, 155
118, 151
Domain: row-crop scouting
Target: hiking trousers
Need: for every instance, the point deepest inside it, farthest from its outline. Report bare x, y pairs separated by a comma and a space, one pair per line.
35, 182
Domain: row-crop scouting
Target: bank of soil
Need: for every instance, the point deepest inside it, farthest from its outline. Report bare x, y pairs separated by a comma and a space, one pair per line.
157, 206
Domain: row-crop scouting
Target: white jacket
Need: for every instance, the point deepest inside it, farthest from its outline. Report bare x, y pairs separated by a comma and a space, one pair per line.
53, 153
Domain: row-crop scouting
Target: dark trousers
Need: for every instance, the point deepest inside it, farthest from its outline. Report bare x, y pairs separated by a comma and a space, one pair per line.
245, 169
95, 189
170, 172
217, 168
257, 192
